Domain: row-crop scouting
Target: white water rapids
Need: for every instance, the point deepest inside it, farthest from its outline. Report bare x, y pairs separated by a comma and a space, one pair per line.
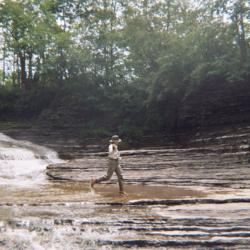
22, 163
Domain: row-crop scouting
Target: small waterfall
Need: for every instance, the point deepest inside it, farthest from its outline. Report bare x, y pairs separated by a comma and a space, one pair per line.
23, 163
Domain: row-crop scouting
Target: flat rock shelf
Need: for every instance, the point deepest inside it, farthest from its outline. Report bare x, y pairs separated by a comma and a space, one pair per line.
191, 197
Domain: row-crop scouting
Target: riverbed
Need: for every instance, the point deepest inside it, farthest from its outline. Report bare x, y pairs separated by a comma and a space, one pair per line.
195, 197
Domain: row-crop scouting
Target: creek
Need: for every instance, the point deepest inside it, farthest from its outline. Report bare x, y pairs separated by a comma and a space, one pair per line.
178, 197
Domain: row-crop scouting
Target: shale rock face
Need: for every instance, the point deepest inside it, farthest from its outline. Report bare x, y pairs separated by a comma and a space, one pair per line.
221, 160
212, 210
195, 195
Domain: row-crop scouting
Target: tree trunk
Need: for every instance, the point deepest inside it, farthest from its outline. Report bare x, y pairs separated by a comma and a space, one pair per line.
145, 8
4, 55
240, 30
30, 66
103, 34
111, 50
14, 76
168, 14
18, 71
23, 70
242, 36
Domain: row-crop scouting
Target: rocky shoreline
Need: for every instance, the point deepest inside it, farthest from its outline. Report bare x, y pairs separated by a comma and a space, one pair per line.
185, 196
217, 166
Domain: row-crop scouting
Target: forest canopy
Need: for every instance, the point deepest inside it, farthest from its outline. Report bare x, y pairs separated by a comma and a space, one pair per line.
134, 67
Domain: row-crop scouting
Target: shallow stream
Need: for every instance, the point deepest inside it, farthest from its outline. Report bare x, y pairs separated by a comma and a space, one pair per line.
37, 212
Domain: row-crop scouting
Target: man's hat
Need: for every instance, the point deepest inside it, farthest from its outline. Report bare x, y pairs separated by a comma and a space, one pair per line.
115, 138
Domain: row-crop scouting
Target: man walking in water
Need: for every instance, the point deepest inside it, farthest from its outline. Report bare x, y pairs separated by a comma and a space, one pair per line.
113, 164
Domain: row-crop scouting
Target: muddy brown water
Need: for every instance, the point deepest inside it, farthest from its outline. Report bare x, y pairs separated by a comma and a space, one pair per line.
80, 192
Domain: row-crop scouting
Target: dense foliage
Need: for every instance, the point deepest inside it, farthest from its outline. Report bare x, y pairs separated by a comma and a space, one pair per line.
119, 65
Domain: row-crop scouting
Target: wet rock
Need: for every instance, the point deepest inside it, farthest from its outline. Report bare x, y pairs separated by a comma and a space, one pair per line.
2, 242
205, 205
142, 226
216, 162
175, 243
179, 202
63, 222
215, 166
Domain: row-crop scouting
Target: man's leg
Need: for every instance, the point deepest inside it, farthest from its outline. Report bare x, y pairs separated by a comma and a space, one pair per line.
108, 175
118, 172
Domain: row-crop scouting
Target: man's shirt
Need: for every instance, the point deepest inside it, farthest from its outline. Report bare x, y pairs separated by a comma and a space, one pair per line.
113, 152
